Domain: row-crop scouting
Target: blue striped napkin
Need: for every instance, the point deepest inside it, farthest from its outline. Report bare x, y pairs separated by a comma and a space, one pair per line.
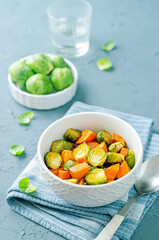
79, 223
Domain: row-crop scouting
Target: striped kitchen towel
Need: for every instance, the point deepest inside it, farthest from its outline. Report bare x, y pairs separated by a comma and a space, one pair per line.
79, 223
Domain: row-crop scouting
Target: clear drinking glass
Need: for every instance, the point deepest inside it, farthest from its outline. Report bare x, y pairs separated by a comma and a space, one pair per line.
70, 22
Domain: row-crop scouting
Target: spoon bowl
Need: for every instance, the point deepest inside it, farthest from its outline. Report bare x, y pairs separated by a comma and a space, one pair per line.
148, 180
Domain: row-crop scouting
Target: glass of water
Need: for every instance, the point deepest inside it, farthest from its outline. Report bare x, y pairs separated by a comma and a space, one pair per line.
70, 22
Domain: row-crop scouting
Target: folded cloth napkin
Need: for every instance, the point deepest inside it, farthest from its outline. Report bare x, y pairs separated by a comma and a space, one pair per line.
79, 223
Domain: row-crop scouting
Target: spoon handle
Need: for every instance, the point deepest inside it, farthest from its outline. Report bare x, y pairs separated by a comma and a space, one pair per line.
109, 230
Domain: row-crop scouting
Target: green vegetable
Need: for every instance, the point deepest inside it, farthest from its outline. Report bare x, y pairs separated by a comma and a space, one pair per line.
72, 180
70, 163
58, 61
97, 157
53, 160
95, 177
108, 46
40, 63
60, 145
72, 135
20, 72
91, 168
81, 151
104, 136
113, 157
17, 149
104, 64
26, 186
130, 158
115, 147
25, 118
39, 84
61, 78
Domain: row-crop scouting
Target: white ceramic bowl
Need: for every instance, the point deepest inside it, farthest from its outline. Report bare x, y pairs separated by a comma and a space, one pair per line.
43, 102
95, 195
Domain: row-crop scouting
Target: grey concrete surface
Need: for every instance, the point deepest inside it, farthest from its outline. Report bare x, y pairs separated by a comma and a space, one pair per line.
132, 87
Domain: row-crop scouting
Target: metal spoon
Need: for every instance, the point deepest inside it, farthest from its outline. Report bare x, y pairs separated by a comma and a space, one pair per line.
147, 182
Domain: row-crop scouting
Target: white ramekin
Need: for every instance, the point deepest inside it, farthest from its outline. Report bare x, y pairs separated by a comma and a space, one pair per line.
44, 102
92, 195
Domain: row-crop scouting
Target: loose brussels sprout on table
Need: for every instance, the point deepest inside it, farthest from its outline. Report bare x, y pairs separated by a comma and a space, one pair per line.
79, 164
48, 73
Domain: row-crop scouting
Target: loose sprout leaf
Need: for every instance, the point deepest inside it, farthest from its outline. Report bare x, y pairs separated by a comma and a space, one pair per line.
104, 64
25, 118
26, 186
108, 46
17, 149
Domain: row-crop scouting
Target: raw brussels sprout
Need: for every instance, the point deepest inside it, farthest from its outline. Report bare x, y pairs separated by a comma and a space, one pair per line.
20, 72
61, 78
60, 145
58, 61
53, 160
39, 84
97, 157
81, 151
40, 63
95, 177
72, 135
113, 157
104, 136
115, 147
72, 180
130, 158
70, 163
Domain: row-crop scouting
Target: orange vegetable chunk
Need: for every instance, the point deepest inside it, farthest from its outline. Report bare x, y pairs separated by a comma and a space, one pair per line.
93, 144
117, 138
81, 182
63, 174
123, 170
103, 146
124, 151
81, 160
55, 171
67, 155
79, 171
87, 136
111, 172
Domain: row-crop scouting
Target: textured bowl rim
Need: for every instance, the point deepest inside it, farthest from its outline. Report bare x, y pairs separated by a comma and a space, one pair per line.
74, 72
43, 165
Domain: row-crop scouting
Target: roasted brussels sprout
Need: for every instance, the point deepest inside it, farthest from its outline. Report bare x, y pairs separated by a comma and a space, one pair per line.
104, 136
81, 151
60, 145
72, 135
58, 61
53, 160
91, 168
113, 157
20, 72
39, 84
130, 159
40, 63
115, 147
97, 157
61, 78
70, 163
95, 177
72, 180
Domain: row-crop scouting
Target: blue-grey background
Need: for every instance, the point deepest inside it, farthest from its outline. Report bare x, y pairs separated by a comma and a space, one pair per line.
131, 87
